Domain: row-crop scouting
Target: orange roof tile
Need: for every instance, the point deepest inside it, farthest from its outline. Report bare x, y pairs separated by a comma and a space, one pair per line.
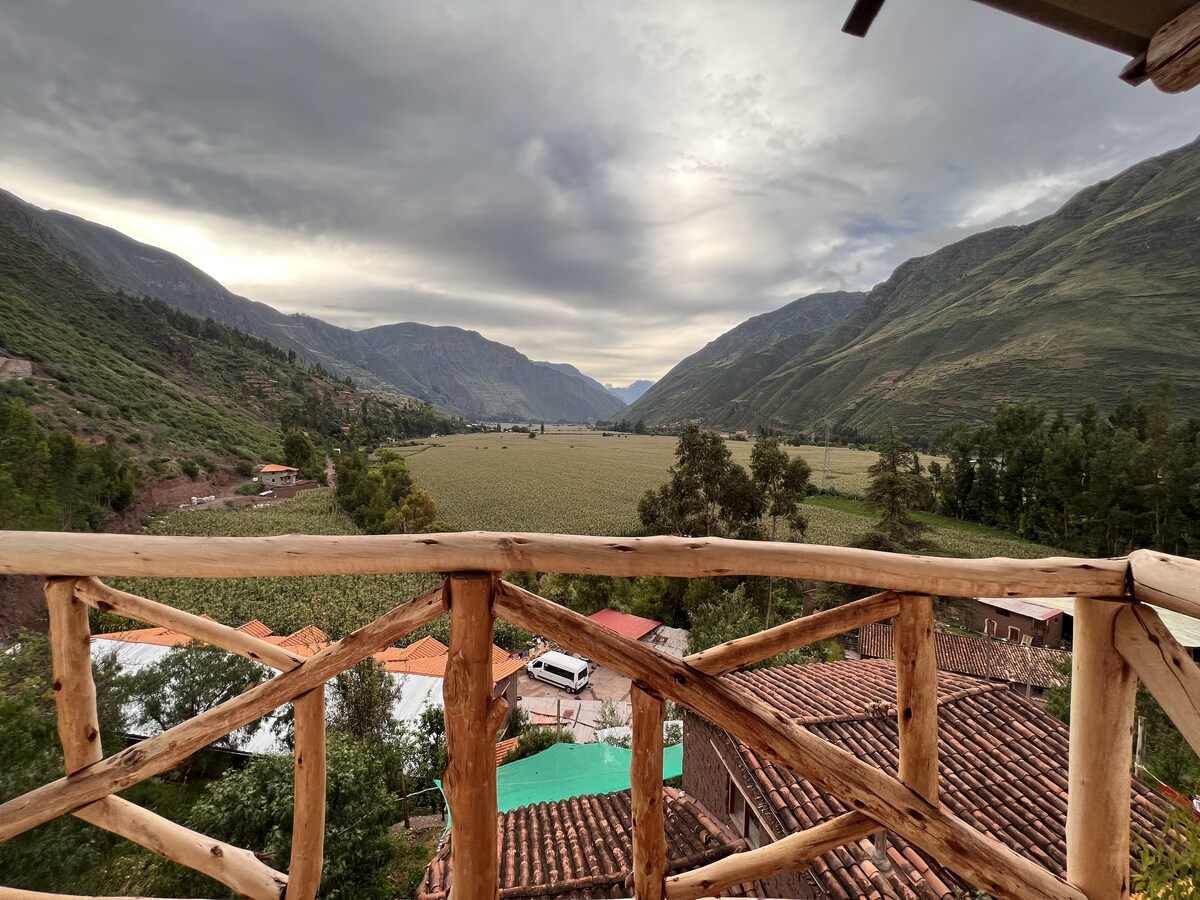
503, 748
310, 635
255, 628
274, 468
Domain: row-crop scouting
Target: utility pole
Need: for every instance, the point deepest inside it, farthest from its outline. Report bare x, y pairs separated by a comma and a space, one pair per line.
826, 475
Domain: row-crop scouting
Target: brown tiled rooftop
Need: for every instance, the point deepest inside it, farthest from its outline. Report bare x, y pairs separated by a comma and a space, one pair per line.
982, 656
582, 847
1003, 771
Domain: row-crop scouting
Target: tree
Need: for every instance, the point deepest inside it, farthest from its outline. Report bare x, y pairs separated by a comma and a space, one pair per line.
783, 481
895, 486
363, 701
708, 493
299, 453
192, 679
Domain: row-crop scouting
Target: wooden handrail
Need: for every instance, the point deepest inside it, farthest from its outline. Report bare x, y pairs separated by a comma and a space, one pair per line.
987, 863
745, 651
54, 553
1113, 641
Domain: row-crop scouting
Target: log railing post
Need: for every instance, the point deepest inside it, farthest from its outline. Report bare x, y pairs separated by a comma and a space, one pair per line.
308, 824
470, 778
1098, 800
916, 695
74, 689
646, 769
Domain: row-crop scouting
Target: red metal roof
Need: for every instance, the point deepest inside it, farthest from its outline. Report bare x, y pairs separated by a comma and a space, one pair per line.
1034, 611
634, 627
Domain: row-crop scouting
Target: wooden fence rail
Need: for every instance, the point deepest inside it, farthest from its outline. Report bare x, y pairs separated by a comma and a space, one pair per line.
1118, 640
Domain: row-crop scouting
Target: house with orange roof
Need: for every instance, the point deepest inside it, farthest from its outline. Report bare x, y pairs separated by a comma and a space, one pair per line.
419, 669
275, 476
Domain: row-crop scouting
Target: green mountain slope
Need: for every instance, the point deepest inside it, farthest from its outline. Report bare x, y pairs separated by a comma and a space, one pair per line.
708, 383
464, 371
164, 383
1100, 296
118, 261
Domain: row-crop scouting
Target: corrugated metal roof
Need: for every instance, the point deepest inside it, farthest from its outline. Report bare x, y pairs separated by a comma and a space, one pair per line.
1183, 628
634, 627
1020, 607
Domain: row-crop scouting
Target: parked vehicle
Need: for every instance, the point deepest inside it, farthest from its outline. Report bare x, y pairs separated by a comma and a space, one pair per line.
567, 672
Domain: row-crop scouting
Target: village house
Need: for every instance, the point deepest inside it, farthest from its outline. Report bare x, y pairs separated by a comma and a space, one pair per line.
418, 670
1023, 668
1003, 769
582, 847
276, 476
1015, 620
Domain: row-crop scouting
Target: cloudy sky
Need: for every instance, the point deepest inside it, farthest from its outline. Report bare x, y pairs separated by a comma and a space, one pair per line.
610, 184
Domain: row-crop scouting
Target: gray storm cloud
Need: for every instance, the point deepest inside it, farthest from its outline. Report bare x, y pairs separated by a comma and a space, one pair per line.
610, 184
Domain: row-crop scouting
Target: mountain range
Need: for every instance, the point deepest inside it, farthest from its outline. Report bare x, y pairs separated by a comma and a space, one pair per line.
459, 371
1101, 296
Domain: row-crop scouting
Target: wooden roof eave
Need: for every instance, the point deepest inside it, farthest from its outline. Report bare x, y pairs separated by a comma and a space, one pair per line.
1162, 37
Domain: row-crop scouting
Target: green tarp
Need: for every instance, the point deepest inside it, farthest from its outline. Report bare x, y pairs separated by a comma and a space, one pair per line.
572, 770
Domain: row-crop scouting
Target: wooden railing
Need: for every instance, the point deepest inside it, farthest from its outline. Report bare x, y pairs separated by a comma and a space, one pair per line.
1118, 639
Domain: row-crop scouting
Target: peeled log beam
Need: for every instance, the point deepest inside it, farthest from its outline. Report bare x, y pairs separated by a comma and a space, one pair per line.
792, 852
1098, 793
988, 864
52, 553
1163, 665
1173, 57
470, 779
646, 789
74, 689
916, 696
308, 821
168, 749
95, 592
746, 651
1171, 582
232, 866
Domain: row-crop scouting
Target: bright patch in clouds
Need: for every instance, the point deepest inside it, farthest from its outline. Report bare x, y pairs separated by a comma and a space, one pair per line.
610, 185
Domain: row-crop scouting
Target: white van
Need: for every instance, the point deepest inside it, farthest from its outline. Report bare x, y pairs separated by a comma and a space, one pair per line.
567, 672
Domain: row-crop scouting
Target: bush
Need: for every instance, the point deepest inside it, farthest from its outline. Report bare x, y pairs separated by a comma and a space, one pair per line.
189, 468
535, 740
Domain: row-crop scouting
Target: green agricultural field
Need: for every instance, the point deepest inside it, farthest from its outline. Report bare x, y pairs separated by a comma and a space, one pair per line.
580, 482
335, 603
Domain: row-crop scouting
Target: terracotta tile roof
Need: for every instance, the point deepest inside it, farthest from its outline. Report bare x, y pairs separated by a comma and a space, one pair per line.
970, 655
309, 636
255, 628
1003, 771
426, 656
633, 627
503, 748
582, 847
274, 468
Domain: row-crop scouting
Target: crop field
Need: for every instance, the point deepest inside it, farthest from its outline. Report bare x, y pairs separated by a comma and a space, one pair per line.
580, 482
336, 604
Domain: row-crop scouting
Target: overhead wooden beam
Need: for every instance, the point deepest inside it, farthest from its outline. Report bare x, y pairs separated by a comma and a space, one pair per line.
1173, 57
745, 651
53, 553
862, 15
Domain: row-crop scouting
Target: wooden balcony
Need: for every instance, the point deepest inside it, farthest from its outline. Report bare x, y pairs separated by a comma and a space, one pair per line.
1118, 640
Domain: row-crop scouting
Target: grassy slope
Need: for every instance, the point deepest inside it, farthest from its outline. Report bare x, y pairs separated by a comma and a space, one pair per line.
117, 365
1098, 297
